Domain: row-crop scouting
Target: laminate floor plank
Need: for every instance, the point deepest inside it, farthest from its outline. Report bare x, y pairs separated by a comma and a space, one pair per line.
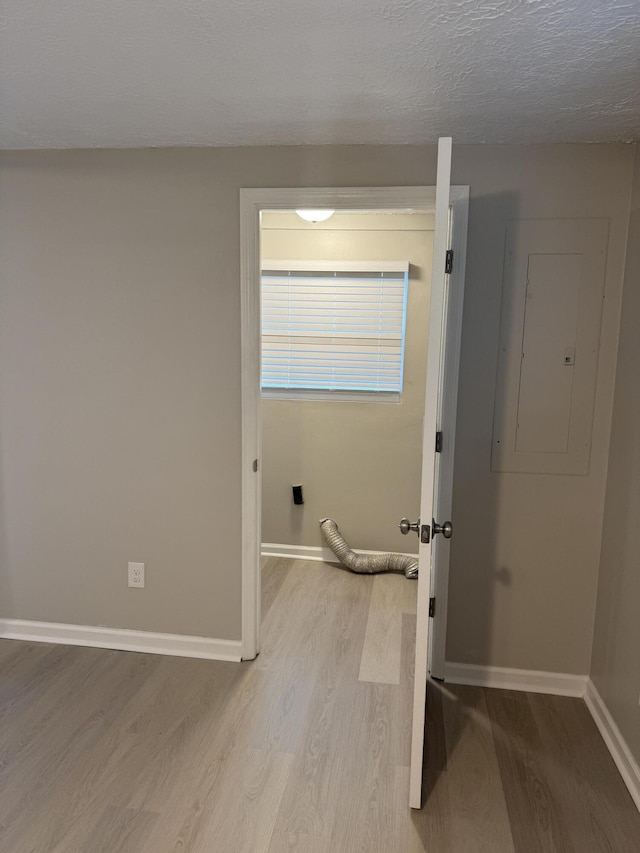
427, 829
310, 801
403, 700
30, 804
28, 711
194, 802
289, 842
182, 730
480, 822
242, 815
432, 823
78, 714
298, 625
595, 802
278, 722
264, 708
383, 639
19, 662
120, 831
410, 596
130, 753
11, 649
367, 798
369, 818
25, 677
375, 731
274, 571
128, 769
217, 762
536, 817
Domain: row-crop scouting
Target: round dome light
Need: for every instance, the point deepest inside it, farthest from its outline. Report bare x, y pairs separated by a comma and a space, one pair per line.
315, 215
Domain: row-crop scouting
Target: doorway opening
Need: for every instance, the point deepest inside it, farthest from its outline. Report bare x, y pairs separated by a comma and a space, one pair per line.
388, 228
271, 203
344, 332
442, 331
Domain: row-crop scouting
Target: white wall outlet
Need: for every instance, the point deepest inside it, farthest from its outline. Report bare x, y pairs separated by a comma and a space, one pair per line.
136, 574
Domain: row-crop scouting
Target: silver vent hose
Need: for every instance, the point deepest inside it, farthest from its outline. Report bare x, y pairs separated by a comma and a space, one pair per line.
365, 564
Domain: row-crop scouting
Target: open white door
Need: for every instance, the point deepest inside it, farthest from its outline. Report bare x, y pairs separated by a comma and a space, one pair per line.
434, 527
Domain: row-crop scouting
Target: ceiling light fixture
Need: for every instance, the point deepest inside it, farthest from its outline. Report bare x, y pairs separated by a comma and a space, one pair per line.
315, 215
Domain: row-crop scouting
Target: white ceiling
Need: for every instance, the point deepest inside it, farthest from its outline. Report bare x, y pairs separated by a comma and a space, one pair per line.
112, 73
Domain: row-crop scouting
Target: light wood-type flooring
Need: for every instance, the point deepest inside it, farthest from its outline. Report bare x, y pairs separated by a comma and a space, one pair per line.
304, 749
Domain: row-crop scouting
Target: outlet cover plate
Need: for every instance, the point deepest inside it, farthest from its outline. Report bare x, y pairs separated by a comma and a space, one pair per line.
136, 575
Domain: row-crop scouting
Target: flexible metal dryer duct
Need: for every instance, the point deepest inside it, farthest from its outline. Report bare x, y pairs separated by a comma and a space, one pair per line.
365, 564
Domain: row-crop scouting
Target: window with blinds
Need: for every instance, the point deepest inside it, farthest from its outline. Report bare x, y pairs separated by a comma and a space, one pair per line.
333, 327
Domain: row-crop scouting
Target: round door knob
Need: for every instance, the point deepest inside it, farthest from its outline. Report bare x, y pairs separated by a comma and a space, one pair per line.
406, 525
446, 529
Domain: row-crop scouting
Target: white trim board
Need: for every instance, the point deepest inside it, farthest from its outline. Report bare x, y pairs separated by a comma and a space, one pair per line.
124, 639
529, 680
625, 762
320, 554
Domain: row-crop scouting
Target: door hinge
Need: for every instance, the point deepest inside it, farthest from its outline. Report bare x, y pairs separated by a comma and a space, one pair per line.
425, 534
448, 262
439, 442
432, 607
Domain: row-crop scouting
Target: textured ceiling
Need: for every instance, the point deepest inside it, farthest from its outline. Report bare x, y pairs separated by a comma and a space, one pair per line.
112, 73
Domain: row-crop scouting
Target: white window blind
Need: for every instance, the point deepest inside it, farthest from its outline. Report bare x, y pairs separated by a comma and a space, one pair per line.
336, 326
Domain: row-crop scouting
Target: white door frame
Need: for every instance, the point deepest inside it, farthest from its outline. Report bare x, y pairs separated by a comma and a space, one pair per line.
459, 206
252, 203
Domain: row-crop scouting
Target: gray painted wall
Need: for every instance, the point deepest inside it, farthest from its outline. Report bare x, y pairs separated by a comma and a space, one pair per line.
120, 390
358, 461
615, 666
525, 558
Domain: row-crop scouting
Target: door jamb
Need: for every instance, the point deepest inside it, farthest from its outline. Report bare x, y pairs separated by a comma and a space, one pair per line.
459, 204
252, 203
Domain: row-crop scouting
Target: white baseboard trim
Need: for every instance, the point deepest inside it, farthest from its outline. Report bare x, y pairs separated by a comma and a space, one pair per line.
313, 552
616, 744
529, 680
124, 639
